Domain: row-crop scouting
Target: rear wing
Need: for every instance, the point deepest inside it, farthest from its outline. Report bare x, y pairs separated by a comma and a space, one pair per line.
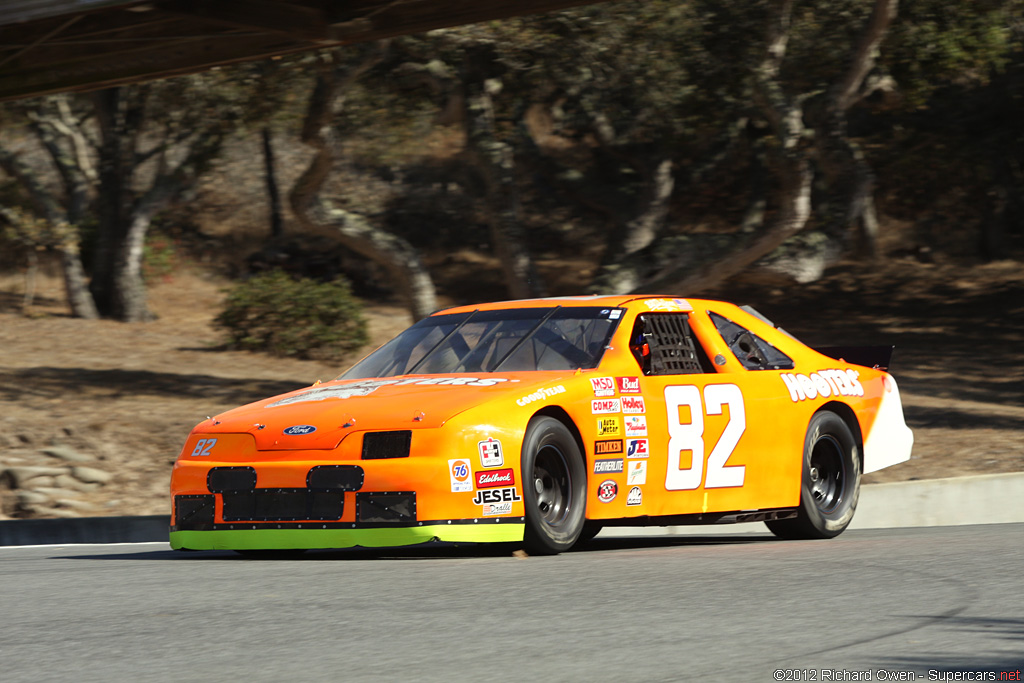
868, 356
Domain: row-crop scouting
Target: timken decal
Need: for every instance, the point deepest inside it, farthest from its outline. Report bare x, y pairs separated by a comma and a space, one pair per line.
605, 405
628, 385
608, 447
494, 478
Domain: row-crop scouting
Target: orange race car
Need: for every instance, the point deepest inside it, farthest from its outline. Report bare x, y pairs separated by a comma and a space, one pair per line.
542, 421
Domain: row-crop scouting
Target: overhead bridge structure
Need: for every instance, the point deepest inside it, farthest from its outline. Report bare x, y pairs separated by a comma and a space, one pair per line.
49, 46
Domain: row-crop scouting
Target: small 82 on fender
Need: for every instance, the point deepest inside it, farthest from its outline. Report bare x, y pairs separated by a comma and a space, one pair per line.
690, 437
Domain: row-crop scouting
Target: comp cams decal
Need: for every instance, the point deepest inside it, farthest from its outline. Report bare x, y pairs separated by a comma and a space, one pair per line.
459, 471
599, 406
490, 453
823, 383
363, 388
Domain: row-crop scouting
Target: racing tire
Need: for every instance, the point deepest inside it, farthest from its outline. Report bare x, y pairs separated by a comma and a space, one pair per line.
830, 484
554, 487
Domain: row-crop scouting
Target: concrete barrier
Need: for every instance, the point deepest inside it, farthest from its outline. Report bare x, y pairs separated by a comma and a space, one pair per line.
980, 499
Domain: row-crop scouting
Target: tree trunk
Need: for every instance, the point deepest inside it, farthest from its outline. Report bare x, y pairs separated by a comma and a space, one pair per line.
315, 214
273, 195
495, 161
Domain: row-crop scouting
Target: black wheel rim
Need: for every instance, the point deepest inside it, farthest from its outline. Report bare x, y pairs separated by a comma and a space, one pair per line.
828, 473
552, 485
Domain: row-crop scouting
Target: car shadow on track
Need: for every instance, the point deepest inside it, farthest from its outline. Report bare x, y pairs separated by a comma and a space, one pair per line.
426, 551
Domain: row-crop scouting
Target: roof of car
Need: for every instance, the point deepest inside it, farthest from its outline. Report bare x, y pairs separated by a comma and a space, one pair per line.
656, 302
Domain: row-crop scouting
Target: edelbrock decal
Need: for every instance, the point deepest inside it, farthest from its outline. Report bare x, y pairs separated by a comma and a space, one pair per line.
494, 478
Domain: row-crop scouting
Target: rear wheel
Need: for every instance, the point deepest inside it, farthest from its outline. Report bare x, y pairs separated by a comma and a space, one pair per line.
831, 481
554, 487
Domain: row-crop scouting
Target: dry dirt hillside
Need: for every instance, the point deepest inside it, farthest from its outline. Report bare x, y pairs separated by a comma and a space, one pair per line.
92, 413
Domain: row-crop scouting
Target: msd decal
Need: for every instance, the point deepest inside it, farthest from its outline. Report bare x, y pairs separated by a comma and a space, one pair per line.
603, 386
823, 383
495, 478
633, 404
636, 425
605, 405
507, 495
459, 471
609, 426
636, 448
607, 491
490, 453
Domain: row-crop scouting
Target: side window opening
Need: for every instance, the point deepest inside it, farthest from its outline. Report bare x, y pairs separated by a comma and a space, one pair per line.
752, 352
663, 345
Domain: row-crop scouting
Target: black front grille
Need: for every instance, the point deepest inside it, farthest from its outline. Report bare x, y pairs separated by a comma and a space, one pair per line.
222, 479
386, 507
193, 513
281, 505
381, 445
335, 478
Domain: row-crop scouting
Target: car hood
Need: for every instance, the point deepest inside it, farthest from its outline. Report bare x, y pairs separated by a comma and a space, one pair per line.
318, 417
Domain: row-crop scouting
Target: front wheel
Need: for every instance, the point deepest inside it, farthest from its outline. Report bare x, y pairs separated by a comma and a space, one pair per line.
831, 481
554, 487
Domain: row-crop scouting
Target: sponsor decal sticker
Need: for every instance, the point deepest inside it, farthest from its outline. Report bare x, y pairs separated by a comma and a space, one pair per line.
609, 426
637, 474
494, 478
459, 471
636, 425
633, 404
540, 395
628, 385
607, 491
636, 448
490, 453
608, 446
492, 509
615, 314
298, 430
322, 393
668, 305
506, 495
605, 405
635, 496
823, 383
603, 386
611, 466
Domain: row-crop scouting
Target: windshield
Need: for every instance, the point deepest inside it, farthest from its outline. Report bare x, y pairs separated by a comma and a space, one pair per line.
510, 340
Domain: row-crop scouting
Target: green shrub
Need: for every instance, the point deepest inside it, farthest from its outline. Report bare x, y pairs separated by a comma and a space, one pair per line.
277, 314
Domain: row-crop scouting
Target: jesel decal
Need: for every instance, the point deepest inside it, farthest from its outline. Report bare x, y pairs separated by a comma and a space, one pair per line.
823, 383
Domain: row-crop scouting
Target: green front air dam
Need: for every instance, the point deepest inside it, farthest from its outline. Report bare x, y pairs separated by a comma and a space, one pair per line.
287, 539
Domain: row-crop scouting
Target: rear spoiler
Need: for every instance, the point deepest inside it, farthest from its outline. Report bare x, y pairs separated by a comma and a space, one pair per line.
868, 356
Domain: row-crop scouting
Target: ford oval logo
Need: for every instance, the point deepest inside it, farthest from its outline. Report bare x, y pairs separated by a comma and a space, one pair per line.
297, 430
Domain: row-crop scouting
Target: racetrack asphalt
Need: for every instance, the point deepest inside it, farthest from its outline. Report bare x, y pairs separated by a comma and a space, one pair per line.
980, 499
